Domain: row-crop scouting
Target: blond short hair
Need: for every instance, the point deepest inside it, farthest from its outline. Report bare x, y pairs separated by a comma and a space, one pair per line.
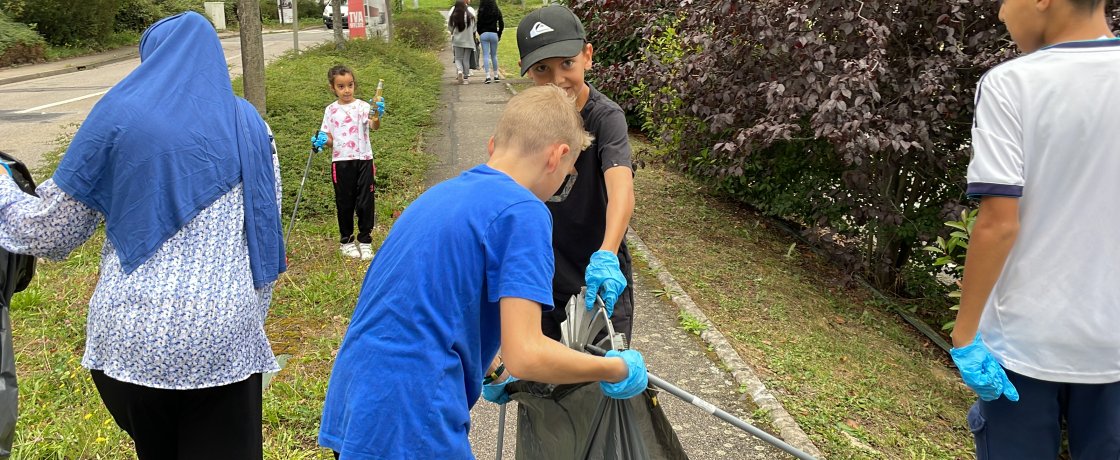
539, 117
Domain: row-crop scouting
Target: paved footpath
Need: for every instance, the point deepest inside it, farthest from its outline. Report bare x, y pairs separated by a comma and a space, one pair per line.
470, 114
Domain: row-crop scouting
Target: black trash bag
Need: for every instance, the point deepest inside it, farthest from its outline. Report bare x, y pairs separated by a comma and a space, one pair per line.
16, 271
579, 422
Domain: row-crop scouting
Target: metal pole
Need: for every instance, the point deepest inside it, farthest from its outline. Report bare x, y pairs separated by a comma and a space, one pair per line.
501, 429
295, 26
713, 410
299, 194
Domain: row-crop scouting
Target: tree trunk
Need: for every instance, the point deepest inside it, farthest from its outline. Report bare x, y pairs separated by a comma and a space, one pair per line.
388, 21
336, 19
252, 52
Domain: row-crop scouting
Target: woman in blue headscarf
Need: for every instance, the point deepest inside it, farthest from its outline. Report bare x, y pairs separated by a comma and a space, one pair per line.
184, 175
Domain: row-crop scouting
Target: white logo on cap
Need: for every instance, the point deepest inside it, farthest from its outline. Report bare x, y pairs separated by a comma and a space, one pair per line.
539, 28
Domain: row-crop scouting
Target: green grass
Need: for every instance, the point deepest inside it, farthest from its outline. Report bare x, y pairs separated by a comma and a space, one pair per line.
849, 373
61, 415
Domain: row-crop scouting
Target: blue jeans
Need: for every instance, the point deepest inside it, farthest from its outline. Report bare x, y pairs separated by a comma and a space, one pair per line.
489, 52
1032, 427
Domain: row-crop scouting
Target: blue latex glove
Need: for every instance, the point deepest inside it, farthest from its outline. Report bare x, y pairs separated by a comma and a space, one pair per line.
603, 274
634, 383
981, 372
319, 140
496, 393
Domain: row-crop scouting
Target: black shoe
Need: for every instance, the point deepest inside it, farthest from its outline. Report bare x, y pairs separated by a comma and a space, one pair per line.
487, 81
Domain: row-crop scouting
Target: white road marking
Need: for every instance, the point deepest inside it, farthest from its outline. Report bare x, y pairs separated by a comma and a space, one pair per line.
53, 104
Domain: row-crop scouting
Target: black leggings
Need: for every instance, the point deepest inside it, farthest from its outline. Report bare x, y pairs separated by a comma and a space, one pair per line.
354, 194
206, 424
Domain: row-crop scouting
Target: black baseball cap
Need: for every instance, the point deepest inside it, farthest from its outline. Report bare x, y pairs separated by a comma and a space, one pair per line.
549, 32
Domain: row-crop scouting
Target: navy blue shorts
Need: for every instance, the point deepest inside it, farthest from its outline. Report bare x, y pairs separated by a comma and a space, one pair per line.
1031, 428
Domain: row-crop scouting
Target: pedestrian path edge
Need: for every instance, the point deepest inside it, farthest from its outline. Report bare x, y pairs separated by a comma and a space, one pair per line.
788, 429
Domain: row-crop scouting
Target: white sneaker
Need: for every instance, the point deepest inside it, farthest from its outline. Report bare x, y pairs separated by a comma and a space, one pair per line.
466, 81
366, 250
350, 250
459, 77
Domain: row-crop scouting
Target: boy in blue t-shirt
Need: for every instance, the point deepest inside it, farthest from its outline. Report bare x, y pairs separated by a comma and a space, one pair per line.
1036, 335
467, 268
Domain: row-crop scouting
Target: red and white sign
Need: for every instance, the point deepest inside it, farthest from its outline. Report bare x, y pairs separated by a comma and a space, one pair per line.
357, 24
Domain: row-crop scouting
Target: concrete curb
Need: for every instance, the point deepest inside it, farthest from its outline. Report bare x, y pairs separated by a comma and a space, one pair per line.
65, 70
788, 429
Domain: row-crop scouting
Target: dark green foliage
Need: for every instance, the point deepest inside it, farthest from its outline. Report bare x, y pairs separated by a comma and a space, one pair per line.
137, 15
308, 10
18, 43
423, 29
65, 22
850, 118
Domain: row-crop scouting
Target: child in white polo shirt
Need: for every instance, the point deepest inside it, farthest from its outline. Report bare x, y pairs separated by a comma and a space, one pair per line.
1037, 333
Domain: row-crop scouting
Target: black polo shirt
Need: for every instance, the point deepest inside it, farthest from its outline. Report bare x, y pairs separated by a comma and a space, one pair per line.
579, 207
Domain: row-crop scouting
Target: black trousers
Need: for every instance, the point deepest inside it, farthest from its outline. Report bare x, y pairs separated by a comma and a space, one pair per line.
354, 194
206, 424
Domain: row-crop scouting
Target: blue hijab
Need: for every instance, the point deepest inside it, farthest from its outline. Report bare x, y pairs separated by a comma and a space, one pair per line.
169, 140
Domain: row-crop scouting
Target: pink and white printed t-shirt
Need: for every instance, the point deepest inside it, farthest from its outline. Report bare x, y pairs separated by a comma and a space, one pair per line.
348, 125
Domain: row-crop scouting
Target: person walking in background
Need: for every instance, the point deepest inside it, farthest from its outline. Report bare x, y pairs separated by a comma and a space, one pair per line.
490, 27
413, 360
462, 24
345, 130
1035, 336
175, 338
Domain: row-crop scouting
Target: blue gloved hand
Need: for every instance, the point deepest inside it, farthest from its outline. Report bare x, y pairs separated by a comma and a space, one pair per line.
603, 273
319, 140
634, 383
981, 372
496, 392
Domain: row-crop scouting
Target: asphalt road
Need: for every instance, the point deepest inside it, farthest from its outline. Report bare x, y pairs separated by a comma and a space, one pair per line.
36, 114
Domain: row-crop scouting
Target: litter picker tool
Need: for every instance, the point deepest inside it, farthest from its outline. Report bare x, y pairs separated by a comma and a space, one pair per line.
713, 410
501, 429
299, 195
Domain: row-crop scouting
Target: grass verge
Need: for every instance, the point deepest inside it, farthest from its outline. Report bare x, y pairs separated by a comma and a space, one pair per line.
860, 382
61, 415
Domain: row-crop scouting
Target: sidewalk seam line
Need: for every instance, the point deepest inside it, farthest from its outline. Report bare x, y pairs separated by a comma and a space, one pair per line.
787, 427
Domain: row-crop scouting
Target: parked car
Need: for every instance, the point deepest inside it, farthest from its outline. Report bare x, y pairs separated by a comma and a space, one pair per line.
328, 17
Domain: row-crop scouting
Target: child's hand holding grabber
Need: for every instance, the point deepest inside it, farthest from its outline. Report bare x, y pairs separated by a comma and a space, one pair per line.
318, 141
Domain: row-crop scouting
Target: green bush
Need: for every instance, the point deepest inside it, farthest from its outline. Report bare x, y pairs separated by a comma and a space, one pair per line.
423, 29
18, 43
137, 15
64, 22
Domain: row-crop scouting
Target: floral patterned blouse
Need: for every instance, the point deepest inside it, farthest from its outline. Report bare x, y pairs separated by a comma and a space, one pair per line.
187, 318
348, 124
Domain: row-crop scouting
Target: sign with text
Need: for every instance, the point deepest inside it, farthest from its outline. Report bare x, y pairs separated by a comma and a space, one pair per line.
357, 20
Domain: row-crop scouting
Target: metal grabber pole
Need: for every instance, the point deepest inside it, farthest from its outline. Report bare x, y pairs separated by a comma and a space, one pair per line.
720, 413
501, 428
299, 195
